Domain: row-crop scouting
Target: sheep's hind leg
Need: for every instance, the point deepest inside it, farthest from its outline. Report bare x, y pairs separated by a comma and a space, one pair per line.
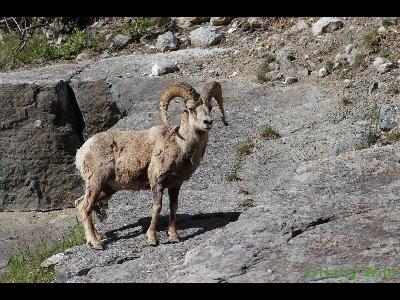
152, 237
85, 209
173, 206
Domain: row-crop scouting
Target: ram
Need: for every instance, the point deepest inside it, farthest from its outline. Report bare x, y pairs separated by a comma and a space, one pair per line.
160, 158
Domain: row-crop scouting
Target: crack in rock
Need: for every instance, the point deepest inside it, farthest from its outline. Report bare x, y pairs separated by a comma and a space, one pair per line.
313, 224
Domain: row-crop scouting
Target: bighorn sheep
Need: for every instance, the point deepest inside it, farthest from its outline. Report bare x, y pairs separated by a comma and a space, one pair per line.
158, 158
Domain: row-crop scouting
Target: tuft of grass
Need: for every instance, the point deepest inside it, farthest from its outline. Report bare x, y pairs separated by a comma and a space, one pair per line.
369, 37
329, 66
232, 177
265, 68
371, 41
393, 88
247, 203
392, 137
361, 146
372, 138
350, 38
386, 23
262, 72
244, 149
359, 60
270, 133
25, 266
345, 100
270, 58
243, 191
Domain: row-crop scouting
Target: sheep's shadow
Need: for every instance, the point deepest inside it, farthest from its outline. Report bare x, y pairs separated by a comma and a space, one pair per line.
203, 222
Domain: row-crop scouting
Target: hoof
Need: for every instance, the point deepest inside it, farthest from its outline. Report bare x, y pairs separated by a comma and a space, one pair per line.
97, 246
152, 242
174, 239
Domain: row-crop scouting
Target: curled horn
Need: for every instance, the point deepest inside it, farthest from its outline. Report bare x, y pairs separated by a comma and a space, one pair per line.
213, 90
183, 90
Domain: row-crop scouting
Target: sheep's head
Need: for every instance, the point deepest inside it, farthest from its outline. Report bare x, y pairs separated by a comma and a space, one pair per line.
198, 107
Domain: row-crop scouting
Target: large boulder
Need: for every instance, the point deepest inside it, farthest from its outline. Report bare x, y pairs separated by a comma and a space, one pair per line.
386, 117
40, 131
98, 115
205, 36
167, 42
325, 25
199, 20
159, 21
120, 41
218, 21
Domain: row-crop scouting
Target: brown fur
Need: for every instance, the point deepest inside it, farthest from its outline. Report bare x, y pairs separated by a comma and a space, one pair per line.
150, 159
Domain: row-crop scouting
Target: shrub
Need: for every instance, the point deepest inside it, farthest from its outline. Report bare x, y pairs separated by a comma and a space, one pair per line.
386, 23
36, 48
140, 27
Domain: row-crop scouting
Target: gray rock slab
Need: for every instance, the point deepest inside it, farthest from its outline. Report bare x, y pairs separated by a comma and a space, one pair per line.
326, 25
313, 207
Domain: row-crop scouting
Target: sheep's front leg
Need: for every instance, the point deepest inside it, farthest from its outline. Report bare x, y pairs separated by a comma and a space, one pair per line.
173, 206
157, 205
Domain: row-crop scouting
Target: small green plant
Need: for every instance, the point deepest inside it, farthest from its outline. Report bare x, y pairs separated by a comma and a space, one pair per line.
243, 191
25, 266
265, 68
385, 53
345, 100
393, 88
247, 203
372, 138
270, 58
244, 149
140, 27
329, 66
262, 72
74, 43
386, 23
269, 133
369, 37
359, 59
396, 22
392, 137
361, 146
371, 40
351, 38
232, 177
